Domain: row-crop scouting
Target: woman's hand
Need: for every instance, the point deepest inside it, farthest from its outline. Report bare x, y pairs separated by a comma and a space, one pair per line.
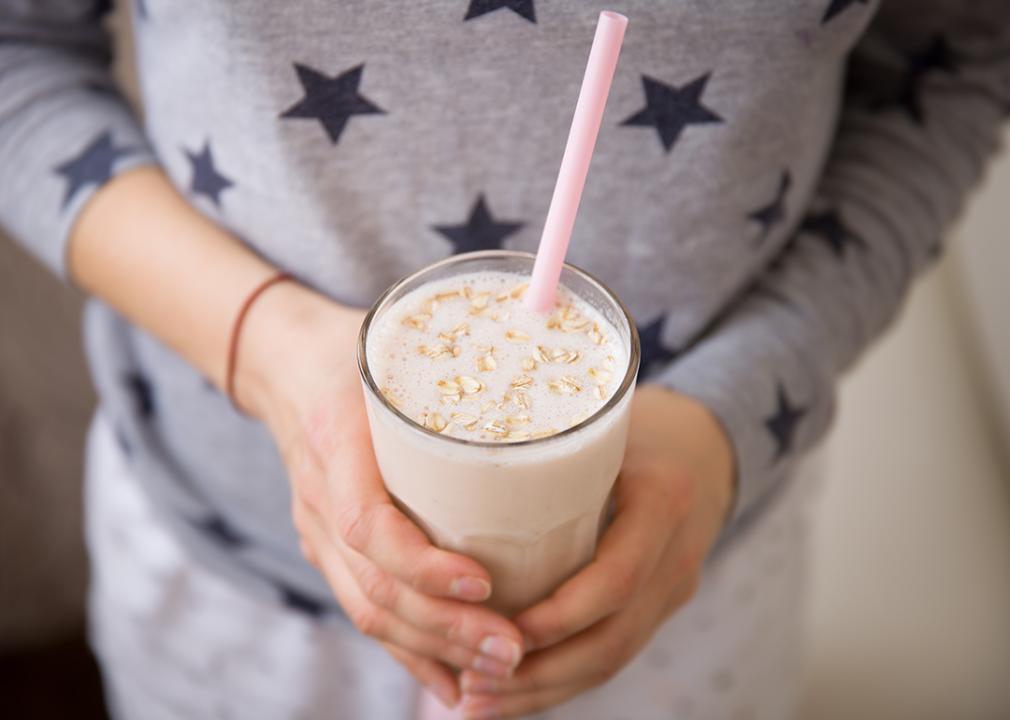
673, 493
135, 245
297, 372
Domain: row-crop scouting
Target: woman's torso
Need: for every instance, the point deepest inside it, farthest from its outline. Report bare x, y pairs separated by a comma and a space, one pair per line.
353, 142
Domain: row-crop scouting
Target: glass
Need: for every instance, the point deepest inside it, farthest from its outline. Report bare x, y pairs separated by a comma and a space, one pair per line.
529, 511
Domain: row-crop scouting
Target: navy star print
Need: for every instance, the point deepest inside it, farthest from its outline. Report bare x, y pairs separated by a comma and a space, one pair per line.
670, 109
480, 231
936, 56
782, 425
206, 180
100, 87
221, 531
654, 354
828, 226
331, 101
838, 6
100, 9
774, 212
93, 166
123, 442
523, 8
300, 602
143, 394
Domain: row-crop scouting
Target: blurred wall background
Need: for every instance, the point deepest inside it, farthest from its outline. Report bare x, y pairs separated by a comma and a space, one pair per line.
910, 616
45, 402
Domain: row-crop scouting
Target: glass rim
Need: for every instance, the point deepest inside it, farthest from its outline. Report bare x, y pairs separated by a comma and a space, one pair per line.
629, 376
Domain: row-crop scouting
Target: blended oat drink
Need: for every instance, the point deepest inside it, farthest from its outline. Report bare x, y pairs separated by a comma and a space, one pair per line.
498, 429
464, 357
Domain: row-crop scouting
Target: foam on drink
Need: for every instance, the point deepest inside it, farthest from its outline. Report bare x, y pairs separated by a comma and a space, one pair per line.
465, 357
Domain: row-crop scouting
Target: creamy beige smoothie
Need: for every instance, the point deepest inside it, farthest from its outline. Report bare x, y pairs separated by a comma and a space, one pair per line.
499, 430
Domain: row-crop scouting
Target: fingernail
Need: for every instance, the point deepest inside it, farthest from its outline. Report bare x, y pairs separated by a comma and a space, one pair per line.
471, 589
501, 648
443, 695
473, 683
528, 644
480, 709
490, 666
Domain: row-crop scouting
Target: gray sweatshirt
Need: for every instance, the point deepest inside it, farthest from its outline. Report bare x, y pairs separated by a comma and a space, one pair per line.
769, 178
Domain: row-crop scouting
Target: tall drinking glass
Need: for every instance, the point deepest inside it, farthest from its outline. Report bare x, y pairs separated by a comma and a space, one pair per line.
529, 511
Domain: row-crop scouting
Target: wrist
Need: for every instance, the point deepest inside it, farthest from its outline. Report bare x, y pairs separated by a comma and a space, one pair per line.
282, 337
699, 441
718, 462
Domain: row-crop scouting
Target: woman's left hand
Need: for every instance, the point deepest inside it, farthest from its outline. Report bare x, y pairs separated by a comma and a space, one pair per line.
672, 496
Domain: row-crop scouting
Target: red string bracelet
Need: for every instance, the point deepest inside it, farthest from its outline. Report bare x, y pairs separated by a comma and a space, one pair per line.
236, 330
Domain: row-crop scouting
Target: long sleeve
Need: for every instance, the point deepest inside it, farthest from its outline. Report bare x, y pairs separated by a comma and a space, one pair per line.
64, 130
928, 89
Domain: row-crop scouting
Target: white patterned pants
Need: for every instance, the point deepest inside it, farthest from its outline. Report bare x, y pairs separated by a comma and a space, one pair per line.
176, 642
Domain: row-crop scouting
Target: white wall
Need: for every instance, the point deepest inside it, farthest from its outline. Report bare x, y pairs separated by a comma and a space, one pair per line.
981, 261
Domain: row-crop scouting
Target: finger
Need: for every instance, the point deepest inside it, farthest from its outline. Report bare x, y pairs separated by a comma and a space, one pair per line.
591, 657
477, 707
308, 553
625, 558
366, 520
582, 661
433, 675
377, 622
471, 626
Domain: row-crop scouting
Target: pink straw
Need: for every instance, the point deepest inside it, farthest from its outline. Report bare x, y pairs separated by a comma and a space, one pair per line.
575, 163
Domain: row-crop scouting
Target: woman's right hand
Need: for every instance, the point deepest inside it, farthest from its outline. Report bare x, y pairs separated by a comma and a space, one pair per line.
297, 372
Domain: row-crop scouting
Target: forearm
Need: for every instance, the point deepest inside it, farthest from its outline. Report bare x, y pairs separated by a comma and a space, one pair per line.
139, 246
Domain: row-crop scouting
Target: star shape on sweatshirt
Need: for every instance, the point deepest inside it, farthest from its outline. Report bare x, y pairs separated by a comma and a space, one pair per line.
654, 354
670, 109
221, 531
770, 215
207, 180
782, 424
523, 8
836, 7
300, 602
123, 441
104, 88
100, 9
92, 166
934, 57
140, 389
480, 232
331, 100
828, 226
